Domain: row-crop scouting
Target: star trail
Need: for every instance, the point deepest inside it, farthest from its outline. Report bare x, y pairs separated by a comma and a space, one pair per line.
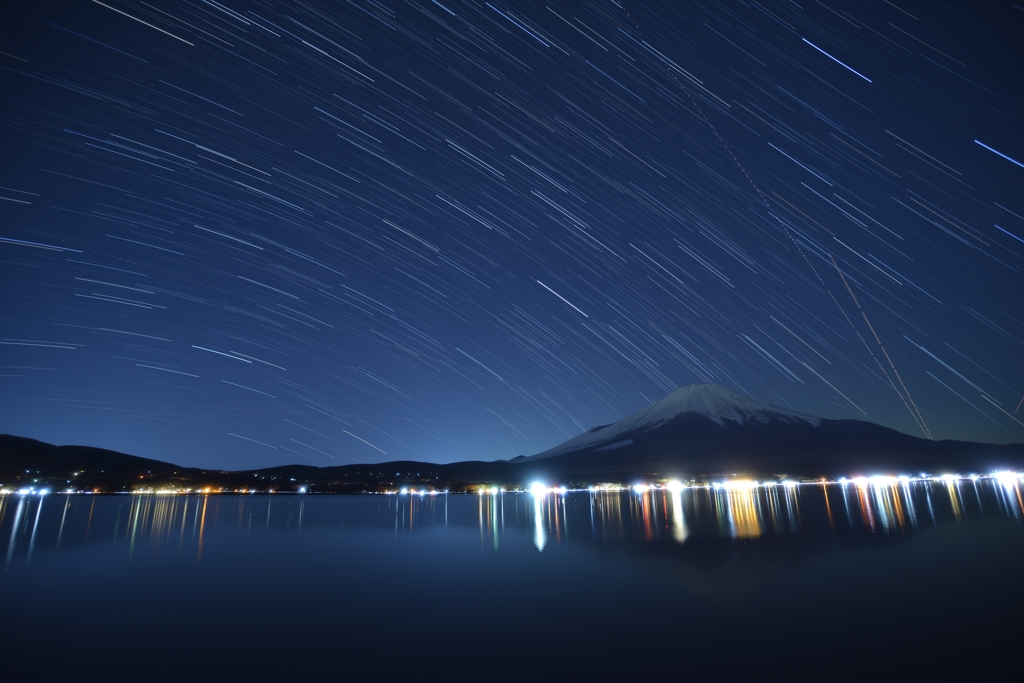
242, 234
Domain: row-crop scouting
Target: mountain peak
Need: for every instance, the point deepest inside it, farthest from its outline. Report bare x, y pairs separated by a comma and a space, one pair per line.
711, 401
718, 404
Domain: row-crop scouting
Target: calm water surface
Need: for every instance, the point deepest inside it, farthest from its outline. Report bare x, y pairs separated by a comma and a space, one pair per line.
893, 580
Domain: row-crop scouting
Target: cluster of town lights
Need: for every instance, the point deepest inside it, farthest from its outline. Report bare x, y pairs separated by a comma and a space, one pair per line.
540, 489
1007, 478
26, 491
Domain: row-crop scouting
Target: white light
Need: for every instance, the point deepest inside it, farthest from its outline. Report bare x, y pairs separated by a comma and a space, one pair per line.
674, 486
302, 490
538, 489
404, 491
641, 488
561, 489
743, 484
1007, 479
493, 490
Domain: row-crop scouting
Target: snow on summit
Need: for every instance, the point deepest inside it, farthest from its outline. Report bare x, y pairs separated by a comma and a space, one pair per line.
712, 401
716, 403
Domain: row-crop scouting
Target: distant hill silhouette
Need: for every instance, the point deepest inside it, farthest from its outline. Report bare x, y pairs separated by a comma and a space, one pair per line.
30, 463
18, 453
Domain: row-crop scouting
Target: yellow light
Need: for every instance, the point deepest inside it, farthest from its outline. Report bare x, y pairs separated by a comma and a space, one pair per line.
740, 484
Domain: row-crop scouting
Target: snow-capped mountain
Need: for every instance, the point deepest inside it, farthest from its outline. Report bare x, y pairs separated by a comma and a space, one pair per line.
703, 428
711, 401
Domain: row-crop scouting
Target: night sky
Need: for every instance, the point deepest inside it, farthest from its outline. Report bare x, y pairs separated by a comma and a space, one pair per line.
241, 234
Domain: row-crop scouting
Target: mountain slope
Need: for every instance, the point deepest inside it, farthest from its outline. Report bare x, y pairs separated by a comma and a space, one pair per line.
706, 428
710, 401
18, 454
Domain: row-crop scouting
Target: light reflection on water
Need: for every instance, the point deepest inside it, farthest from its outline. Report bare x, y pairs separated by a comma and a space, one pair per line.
327, 578
181, 524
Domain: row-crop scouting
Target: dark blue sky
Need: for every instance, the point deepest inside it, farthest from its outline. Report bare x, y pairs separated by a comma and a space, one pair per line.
245, 234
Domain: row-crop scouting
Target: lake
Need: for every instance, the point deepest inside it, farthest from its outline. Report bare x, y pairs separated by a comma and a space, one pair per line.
888, 578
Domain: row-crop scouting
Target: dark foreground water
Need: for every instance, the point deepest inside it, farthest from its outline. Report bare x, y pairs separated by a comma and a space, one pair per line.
890, 580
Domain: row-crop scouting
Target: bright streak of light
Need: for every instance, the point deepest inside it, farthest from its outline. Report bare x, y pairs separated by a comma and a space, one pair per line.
562, 298
540, 537
837, 61
679, 529
145, 23
999, 153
